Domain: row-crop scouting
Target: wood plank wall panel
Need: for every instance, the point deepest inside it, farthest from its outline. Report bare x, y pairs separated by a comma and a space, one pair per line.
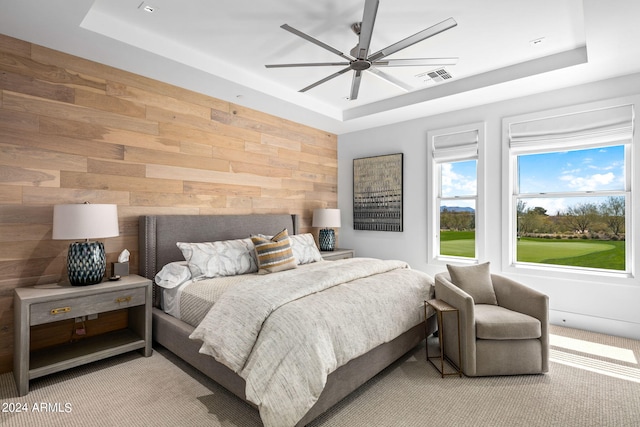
72, 130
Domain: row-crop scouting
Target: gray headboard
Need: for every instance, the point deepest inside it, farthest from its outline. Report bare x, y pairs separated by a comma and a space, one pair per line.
158, 234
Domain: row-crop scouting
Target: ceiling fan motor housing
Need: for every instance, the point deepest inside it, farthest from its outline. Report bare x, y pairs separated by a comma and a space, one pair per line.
360, 65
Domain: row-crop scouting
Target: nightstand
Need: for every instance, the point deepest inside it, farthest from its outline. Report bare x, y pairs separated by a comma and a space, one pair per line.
337, 253
37, 305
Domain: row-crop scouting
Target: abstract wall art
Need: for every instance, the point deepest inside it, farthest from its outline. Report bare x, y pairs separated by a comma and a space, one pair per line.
377, 193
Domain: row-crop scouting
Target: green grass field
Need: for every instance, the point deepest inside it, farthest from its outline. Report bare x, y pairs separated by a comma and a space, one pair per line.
579, 253
458, 243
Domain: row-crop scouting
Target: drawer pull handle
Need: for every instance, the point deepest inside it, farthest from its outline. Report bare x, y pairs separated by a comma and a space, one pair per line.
123, 299
55, 311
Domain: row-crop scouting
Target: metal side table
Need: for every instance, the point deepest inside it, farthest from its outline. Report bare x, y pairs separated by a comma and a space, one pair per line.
440, 308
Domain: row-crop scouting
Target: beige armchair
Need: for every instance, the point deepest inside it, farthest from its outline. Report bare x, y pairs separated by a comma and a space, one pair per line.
504, 325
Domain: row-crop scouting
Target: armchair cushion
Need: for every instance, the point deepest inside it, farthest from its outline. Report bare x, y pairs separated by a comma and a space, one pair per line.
498, 323
474, 280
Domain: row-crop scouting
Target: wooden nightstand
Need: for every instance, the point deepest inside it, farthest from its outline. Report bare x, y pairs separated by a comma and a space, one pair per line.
337, 253
37, 305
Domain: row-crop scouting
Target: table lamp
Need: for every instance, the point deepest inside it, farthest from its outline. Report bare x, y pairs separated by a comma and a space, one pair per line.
86, 261
326, 219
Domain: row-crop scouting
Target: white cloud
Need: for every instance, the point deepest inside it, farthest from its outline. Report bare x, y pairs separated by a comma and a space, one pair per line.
589, 183
456, 184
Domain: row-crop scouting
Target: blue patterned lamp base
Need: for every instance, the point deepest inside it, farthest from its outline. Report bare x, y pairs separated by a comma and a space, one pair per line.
327, 239
86, 263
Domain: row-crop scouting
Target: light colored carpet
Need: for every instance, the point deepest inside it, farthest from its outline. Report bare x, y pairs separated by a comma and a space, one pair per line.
594, 380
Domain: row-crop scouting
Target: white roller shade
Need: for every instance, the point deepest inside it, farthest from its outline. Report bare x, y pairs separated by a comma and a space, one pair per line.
455, 146
613, 125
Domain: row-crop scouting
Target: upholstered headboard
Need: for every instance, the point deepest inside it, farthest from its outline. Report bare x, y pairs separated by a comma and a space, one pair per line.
158, 234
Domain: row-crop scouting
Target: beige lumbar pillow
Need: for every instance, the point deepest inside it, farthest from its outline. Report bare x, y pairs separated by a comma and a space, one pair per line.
474, 280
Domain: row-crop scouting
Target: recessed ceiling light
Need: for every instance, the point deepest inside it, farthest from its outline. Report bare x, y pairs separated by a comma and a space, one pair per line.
147, 7
537, 42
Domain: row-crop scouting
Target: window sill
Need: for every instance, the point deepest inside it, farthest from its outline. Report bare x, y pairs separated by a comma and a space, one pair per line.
568, 273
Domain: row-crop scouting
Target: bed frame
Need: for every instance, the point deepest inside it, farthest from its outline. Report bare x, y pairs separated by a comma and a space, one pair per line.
157, 239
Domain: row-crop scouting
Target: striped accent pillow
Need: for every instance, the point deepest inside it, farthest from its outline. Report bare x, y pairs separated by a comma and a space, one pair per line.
274, 254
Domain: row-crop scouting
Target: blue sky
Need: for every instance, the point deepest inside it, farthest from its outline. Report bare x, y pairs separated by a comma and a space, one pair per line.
594, 169
459, 179
580, 170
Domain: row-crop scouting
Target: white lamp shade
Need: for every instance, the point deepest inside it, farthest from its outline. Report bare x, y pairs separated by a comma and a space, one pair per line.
85, 221
326, 218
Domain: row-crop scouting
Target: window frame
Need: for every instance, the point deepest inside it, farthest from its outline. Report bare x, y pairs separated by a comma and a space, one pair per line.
512, 195
434, 195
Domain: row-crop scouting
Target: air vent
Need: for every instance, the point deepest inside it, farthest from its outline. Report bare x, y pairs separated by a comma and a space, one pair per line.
435, 76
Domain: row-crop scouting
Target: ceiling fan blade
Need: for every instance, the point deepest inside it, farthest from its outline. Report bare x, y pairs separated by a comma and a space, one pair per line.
326, 79
308, 64
366, 29
390, 79
355, 85
416, 62
411, 40
315, 41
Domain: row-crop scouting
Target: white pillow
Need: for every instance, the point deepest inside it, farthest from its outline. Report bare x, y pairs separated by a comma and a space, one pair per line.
304, 248
173, 274
218, 259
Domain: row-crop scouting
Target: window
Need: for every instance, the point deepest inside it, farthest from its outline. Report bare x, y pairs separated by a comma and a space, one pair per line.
454, 209
571, 190
457, 208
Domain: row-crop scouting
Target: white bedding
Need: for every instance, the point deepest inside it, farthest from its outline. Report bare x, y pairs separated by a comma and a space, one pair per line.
190, 300
284, 333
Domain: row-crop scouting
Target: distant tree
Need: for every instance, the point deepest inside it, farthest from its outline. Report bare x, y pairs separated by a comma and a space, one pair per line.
452, 220
612, 211
521, 207
581, 216
540, 211
531, 220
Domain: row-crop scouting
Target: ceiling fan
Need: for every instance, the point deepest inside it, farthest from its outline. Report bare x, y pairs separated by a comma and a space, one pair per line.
360, 60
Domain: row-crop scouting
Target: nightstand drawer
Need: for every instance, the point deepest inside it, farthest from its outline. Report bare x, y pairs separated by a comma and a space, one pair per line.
52, 311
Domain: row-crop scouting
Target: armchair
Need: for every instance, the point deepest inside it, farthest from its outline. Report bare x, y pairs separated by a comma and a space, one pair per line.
504, 325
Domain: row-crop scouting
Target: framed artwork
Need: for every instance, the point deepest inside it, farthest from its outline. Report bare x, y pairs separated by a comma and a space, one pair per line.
377, 193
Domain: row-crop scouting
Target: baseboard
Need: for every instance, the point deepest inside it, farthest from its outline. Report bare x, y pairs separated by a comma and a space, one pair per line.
596, 324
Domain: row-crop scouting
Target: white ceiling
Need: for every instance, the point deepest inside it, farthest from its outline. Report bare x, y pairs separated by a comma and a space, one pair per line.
220, 48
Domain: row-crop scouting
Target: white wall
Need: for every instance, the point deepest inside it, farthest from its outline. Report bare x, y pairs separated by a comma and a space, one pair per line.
601, 304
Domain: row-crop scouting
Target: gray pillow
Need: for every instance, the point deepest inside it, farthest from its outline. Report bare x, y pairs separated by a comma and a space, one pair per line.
474, 280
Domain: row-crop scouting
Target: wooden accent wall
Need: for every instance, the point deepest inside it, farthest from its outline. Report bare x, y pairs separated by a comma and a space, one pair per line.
72, 130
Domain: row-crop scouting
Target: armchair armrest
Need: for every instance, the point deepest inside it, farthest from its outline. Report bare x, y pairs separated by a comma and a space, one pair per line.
456, 297
518, 297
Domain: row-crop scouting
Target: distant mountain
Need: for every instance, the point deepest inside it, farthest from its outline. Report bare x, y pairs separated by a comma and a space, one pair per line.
456, 209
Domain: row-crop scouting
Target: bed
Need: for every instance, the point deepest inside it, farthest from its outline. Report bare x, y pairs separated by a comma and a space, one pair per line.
158, 237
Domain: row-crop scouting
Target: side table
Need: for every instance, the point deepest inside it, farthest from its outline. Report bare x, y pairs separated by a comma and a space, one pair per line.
440, 308
37, 305
337, 253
